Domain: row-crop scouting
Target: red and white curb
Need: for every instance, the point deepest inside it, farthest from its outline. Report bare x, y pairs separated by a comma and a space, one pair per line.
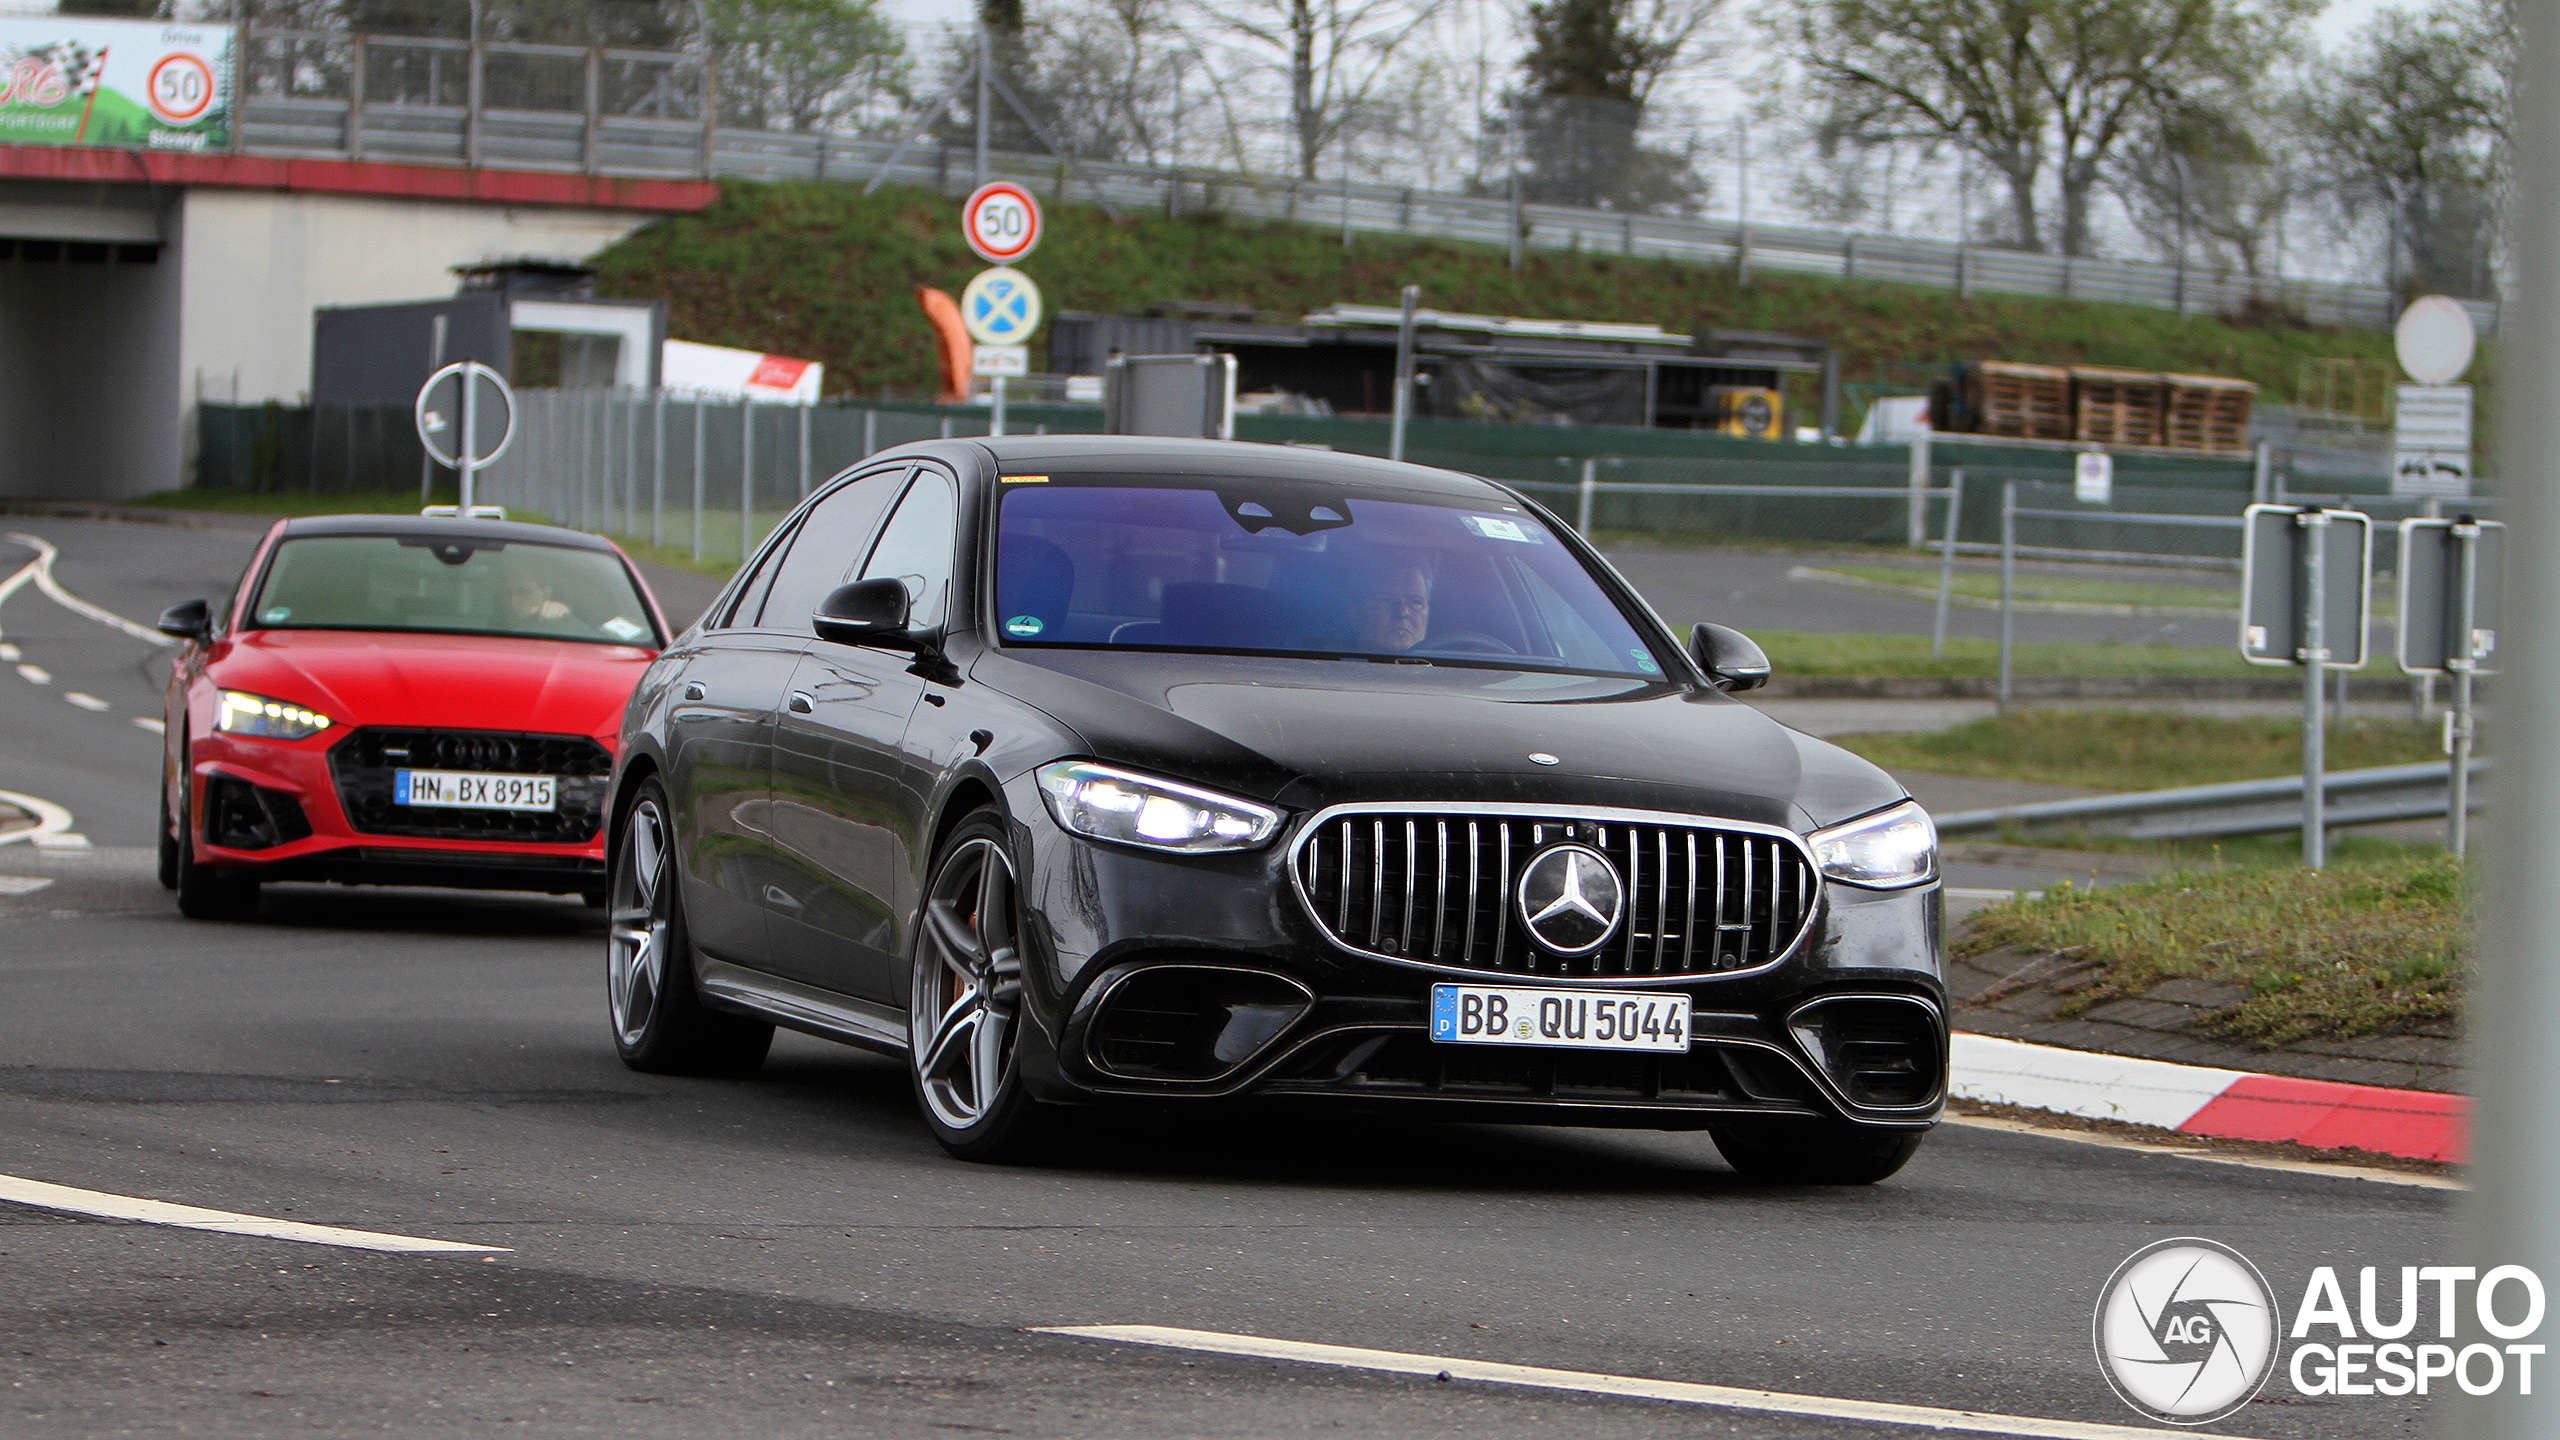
2200, 1100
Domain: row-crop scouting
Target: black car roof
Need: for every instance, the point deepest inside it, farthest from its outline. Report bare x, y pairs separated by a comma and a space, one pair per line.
1159, 455
444, 527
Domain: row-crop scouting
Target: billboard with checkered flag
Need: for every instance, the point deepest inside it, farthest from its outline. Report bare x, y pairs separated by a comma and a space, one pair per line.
69, 80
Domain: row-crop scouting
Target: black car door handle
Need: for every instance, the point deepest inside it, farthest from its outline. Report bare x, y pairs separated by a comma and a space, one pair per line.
693, 689
801, 704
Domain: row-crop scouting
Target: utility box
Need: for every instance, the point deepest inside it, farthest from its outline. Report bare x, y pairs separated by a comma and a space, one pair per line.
1190, 396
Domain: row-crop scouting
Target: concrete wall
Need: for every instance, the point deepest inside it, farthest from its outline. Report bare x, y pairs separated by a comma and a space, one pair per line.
257, 263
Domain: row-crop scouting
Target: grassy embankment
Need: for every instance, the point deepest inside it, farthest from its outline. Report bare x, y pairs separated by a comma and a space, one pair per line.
2358, 949
2130, 749
823, 271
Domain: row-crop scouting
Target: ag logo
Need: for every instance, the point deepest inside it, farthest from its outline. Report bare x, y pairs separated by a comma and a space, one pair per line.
1570, 898
2186, 1331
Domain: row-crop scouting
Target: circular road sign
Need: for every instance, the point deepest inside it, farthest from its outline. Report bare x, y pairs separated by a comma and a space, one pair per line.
1000, 307
1001, 221
492, 408
180, 88
2435, 340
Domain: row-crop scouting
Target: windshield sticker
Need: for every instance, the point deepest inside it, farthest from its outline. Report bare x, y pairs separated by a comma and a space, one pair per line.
1644, 662
1493, 527
622, 629
275, 614
1023, 627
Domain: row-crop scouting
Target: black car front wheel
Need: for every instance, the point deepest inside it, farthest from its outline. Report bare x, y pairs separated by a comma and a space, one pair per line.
659, 1021
965, 1012
1832, 1154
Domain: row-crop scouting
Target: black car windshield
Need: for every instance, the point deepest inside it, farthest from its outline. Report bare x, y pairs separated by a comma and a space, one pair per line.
1290, 567
452, 585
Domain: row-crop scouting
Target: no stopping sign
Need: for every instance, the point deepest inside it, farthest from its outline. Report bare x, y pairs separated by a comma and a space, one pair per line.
1001, 221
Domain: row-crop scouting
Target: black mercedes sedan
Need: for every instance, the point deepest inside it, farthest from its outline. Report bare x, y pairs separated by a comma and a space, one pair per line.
1104, 771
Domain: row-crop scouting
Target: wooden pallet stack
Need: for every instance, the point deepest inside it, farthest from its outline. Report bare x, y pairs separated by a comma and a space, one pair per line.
2008, 398
2116, 407
2207, 412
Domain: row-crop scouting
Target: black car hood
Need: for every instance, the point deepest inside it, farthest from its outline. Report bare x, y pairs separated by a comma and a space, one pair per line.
1307, 733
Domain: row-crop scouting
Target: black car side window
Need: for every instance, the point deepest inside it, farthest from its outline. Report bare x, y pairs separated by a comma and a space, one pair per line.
749, 596
917, 548
829, 542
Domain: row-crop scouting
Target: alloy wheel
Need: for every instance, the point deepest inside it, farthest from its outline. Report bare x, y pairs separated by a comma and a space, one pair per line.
636, 952
967, 1000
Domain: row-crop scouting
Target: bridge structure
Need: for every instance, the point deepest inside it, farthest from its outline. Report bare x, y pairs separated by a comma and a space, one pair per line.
363, 168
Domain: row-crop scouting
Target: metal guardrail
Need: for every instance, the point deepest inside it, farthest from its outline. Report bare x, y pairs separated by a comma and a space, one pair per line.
641, 113
2247, 807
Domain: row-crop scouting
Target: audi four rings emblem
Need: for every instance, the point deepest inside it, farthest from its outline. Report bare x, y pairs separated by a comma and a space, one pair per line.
1571, 898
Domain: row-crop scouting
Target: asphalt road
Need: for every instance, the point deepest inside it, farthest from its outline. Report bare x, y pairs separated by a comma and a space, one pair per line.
792, 1256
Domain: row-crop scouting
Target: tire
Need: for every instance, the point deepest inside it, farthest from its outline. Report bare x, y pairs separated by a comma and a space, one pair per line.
168, 842
1833, 1154
595, 899
205, 893
660, 1024
965, 1011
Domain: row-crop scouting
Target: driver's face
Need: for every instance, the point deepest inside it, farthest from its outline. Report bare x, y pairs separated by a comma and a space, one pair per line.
525, 599
1393, 612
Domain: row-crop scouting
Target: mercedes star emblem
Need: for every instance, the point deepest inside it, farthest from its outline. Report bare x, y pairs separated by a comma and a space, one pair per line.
1570, 898
1543, 758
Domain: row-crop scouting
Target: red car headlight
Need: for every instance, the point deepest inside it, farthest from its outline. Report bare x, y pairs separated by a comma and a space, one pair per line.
242, 713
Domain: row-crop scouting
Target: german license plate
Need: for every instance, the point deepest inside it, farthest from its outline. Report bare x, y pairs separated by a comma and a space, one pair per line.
1559, 1019
464, 790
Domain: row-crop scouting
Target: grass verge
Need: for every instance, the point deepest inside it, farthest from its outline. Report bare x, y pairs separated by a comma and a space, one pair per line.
2137, 749
2047, 589
295, 503
1805, 652
2360, 948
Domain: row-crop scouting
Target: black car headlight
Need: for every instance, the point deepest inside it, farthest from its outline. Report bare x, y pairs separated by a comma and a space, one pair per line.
1888, 850
242, 713
1108, 804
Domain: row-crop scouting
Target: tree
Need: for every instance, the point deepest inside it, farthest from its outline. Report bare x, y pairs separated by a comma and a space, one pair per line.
799, 64
1590, 72
1333, 58
2216, 178
1112, 68
2412, 129
2029, 86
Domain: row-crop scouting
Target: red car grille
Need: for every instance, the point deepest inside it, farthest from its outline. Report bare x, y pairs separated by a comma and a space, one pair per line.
363, 765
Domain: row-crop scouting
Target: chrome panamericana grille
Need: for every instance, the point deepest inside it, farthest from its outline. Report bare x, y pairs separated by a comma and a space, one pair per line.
1437, 888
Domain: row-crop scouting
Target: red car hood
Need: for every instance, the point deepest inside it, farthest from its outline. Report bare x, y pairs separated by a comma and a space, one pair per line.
463, 682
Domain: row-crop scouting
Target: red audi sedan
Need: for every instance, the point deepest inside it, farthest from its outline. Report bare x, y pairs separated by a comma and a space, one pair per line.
401, 700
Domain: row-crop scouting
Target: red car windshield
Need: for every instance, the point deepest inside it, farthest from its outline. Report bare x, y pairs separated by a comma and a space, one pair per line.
451, 585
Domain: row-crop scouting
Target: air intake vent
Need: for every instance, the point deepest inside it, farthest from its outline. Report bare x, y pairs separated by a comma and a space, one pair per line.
1438, 888
1883, 1052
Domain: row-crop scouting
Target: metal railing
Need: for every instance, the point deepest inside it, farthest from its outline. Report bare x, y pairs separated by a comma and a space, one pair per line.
2246, 807
657, 114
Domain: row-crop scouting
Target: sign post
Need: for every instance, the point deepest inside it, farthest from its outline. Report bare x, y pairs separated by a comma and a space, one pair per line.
466, 417
2431, 427
1000, 308
2306, 578
2449, 577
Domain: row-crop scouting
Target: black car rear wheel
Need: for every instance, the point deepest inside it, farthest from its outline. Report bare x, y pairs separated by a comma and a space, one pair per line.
1816, 1155
659, 1021
965, 1012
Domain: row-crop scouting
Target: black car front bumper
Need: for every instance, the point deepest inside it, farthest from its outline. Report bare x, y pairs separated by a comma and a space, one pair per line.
1195, 978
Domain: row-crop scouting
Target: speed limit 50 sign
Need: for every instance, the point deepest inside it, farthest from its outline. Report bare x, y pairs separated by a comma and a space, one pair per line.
1001, 221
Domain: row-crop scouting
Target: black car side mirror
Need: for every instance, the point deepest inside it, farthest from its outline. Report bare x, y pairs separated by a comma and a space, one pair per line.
866, 612
188, 620
1731, 659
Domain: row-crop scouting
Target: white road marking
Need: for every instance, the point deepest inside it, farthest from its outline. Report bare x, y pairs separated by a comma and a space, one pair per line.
51, 820
156, 727
36, 674
42, 572
23, 884
85, 702
9, 587
63, 840
188, 1217
1723, 1397
9, 652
